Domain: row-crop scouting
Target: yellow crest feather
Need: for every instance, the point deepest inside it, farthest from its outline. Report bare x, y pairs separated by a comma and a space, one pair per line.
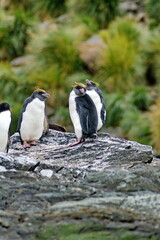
39, 90
79, 84
95, 83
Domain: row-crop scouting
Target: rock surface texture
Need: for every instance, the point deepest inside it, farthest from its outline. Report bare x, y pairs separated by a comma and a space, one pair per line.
106, 186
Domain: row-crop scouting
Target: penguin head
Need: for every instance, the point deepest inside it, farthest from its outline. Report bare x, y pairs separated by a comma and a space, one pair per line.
79, 89
4, 107
40, 94
91, 85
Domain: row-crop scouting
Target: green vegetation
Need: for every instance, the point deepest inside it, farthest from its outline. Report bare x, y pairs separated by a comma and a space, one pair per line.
14, 33
141, 98
102, 11
115, 108
84, 232
53, 41
63, 44
153, 8
121, 55
53, 8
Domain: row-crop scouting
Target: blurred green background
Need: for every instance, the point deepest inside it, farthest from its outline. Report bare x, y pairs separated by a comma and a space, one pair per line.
51, 44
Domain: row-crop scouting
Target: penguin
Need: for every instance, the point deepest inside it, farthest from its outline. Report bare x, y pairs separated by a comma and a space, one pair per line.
96, 95
83, 114
5, 121
32, 119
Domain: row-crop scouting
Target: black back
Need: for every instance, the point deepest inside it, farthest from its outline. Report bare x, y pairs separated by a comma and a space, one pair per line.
88, 115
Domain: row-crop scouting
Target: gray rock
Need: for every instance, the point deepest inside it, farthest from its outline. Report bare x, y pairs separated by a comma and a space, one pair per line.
20, 61
128, 6
17, 161
135, 9
91, 51
109, 182
53, 151
2, 169
46, 173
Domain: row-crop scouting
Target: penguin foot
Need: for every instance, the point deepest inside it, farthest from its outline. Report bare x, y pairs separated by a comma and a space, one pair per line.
26, 145
76, 143
94, 136
33, 143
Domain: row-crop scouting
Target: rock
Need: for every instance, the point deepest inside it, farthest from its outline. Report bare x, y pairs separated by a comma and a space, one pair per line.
2, 169
53, 151
17, 162
106, 186
46, 173
135, 9
20, 61
91, 51
128, 6
126, 208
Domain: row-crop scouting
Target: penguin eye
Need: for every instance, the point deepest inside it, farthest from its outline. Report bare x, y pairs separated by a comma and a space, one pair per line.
40, 93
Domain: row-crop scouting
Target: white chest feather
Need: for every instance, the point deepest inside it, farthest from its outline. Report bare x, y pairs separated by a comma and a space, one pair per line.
32, 124
5, 120
74, 115
97, 101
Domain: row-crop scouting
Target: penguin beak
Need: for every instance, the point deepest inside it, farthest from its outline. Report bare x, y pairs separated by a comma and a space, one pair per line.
88, 82
46, 95
82, 90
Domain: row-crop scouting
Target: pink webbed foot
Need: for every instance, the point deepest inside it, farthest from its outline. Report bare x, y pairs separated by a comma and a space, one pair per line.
76, 143
26, 145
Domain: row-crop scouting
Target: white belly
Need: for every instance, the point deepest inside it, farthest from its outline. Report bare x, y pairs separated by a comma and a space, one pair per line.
97, 101
32, 124
74, 115
5, 120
